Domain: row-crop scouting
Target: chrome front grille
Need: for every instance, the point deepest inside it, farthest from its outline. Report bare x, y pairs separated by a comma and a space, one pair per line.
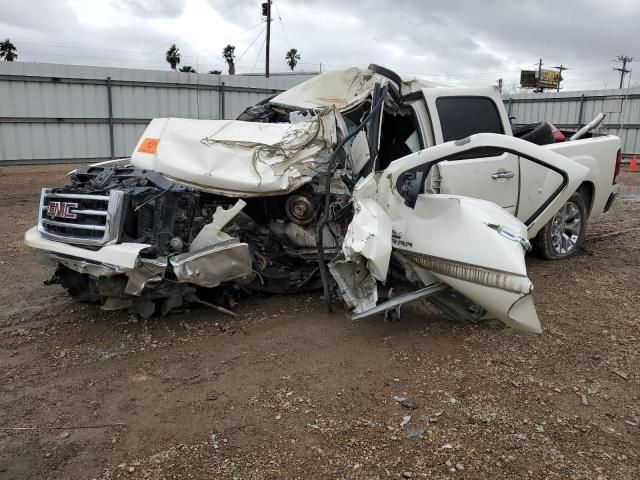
81, 218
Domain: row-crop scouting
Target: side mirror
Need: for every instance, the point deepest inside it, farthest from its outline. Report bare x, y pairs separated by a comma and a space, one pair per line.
413, 190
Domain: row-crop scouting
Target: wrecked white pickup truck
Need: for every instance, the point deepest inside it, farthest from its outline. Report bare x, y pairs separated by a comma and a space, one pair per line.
355, 181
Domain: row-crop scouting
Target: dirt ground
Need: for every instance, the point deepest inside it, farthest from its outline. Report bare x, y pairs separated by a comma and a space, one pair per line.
287, 390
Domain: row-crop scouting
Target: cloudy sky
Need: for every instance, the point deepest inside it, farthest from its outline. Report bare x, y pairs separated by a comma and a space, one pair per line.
451, 42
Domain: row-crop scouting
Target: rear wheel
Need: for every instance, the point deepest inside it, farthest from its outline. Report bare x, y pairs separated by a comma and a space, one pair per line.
565, 233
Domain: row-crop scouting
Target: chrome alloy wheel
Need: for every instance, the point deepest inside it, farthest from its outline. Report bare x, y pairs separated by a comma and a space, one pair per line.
565, 229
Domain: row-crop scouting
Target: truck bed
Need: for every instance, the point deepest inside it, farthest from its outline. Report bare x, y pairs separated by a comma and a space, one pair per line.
599, 155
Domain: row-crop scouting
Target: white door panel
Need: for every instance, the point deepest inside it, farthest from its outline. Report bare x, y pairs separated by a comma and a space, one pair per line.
537, 184
456, 239
491, 178
572, 173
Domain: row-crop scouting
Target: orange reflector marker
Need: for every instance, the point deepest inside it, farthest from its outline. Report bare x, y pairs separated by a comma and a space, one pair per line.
149, 145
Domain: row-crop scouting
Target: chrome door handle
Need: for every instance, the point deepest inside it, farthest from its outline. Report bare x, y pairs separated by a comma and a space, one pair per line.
502, 173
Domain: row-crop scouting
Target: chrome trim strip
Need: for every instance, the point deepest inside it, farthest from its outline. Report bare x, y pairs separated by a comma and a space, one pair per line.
79, 226
489, 277
100, 213
85, 196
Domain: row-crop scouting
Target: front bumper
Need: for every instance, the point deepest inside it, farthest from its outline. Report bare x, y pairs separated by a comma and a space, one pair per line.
207, 267
121, 255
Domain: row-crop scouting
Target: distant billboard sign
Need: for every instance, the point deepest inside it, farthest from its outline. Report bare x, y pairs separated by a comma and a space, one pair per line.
544, 79
549, 79
528, 79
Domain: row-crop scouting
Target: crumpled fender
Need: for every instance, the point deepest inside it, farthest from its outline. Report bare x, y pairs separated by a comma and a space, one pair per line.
369, 233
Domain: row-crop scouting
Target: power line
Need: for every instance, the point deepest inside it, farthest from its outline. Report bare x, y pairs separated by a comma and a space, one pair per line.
282, 26
117, 61
251, 44
232, 36
259, 54
36, 53
119, 51
77, 47
232, 6
191, 32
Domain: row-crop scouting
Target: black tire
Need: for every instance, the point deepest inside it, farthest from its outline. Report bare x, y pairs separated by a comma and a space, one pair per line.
78, 285
390, 74
562, 237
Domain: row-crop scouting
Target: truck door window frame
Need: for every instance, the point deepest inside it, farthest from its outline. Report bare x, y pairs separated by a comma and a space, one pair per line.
418, 104
424, 168
410, 111
445, 124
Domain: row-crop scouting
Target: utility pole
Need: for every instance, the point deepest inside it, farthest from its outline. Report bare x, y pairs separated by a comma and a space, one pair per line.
624, 60
268, 12
539, 89
560, 68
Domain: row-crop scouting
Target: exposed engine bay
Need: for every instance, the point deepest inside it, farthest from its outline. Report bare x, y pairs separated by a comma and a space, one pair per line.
280, 232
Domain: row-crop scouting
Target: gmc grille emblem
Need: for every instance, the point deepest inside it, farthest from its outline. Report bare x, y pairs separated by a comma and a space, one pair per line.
61, 210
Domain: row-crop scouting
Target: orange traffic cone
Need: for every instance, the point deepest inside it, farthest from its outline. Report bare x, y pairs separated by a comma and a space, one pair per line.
633, 166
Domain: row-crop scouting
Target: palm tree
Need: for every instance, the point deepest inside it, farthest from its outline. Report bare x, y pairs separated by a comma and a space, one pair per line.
229, 55
215, 72
173, 56
292, 57
188, 69
8, 51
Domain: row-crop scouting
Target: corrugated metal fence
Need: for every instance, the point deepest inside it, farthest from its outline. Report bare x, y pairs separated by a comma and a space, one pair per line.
574, 109
67, 113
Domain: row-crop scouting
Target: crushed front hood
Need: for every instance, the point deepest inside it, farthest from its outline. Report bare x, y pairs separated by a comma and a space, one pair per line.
238, 158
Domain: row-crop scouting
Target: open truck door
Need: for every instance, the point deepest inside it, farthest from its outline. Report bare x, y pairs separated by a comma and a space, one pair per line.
472, 247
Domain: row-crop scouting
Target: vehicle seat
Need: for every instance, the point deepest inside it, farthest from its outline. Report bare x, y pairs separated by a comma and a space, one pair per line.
540, 135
